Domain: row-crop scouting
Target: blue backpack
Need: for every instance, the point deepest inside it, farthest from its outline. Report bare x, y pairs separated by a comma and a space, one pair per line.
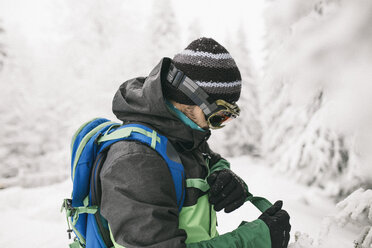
89, 147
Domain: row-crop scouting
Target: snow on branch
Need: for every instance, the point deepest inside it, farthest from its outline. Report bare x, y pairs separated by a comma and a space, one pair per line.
358, 208
302, 240
355, 209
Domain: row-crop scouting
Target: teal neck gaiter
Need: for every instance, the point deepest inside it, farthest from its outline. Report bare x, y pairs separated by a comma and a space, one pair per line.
182, 116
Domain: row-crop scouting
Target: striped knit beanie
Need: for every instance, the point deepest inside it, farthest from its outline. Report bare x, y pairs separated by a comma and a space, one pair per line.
211, 66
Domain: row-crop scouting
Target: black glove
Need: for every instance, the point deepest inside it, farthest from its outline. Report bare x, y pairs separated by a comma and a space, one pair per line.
277, 220
227, 190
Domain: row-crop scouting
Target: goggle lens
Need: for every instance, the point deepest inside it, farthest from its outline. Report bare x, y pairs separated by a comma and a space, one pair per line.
220, 117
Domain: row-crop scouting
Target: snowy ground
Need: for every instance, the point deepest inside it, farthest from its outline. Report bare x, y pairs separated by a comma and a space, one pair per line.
31, 218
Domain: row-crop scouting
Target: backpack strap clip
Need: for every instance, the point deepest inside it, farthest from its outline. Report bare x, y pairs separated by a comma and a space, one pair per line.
67, 206
72, 215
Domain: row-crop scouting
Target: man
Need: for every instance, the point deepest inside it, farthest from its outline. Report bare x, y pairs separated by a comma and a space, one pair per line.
138, 195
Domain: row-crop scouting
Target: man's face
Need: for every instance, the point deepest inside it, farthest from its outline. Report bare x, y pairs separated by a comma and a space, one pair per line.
195, 113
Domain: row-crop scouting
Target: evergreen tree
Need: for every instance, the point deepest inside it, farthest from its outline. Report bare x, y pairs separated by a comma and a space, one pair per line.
92, 43
296, 139
2, 49
163, 32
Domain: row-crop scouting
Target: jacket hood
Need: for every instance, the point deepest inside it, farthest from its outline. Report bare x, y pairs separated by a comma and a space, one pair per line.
141, 100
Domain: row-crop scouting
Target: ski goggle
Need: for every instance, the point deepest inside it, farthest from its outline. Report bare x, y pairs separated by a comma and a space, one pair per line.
225, 112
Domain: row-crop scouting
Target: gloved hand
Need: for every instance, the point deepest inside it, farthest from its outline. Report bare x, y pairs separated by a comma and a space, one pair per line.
277, 220
227, 190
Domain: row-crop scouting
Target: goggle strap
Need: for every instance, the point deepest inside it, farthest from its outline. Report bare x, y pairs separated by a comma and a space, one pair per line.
174, 76
178, 80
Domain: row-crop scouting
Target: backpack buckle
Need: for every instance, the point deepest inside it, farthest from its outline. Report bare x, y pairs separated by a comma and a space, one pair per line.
67, 204
178, 79
70, 210
206, 156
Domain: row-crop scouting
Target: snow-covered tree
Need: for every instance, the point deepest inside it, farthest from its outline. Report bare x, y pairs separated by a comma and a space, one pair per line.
163, 39
102, 39
316, 51
65, 72
2, 49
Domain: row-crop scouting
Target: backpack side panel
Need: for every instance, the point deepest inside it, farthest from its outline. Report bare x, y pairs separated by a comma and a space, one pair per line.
93, 236
82, 167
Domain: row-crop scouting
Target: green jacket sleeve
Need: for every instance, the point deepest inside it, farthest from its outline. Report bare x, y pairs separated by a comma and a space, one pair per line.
219, 165
254, 234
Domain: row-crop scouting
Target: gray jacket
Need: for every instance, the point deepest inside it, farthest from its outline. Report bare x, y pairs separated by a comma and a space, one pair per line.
138, 195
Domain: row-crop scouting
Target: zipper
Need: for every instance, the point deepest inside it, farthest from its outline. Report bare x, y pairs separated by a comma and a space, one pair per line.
210, 220
207, 158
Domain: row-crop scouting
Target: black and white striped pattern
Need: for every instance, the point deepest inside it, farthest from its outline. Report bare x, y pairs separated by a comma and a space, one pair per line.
211, 66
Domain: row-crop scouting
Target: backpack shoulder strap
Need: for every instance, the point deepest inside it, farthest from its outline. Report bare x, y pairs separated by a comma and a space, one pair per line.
159, 143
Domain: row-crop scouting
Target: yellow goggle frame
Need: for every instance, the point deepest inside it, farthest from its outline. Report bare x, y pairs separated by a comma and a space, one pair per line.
225, 112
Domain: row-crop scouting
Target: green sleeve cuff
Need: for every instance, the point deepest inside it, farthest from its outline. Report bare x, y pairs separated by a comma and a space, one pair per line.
253, 234
220, 165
